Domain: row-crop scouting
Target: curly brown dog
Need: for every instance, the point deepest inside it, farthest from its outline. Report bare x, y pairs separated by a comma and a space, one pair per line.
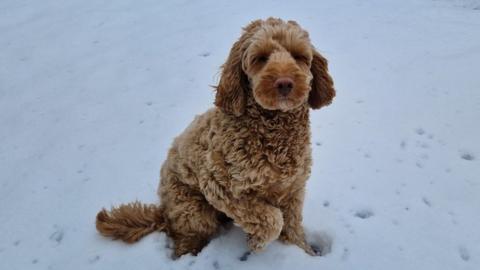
245, 160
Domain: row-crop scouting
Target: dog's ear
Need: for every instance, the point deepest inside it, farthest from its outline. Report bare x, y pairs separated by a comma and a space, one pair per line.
231, 90
322, 92
230, 95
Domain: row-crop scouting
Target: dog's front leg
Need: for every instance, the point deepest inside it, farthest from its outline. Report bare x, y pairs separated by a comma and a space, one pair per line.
292, 232
262, 221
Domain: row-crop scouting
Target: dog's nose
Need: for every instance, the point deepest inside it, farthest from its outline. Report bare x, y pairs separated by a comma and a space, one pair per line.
284, 85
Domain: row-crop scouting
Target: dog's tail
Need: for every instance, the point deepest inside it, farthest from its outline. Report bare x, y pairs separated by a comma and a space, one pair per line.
130, 222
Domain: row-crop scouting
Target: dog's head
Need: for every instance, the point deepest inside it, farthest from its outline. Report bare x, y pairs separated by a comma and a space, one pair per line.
274, 60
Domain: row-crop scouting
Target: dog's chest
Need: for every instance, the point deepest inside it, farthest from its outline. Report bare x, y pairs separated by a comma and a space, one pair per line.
265, 156
270, 171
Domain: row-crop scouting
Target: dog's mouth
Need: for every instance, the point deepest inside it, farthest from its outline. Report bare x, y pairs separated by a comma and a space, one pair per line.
276, 101
287, 103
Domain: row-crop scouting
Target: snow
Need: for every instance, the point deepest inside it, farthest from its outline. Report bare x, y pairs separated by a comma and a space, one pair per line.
92, 93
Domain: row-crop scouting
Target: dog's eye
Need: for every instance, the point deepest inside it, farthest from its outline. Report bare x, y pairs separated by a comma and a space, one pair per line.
300, 58
261, 59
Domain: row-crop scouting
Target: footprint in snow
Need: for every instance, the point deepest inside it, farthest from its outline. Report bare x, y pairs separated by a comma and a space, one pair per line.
244, 256
427, 202
94, 259
467, 156
320, 242
57, 236
364, 213
464, 253
345, 254
420, 131
421, 144
326, 203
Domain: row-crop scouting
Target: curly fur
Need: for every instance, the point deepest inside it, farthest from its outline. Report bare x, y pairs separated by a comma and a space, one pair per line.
130, 222
245, 160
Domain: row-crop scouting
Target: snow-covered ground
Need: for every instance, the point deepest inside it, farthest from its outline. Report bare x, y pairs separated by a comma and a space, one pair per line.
93, 92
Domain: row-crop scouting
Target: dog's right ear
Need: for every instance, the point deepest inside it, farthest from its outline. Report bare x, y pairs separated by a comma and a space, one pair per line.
231, 90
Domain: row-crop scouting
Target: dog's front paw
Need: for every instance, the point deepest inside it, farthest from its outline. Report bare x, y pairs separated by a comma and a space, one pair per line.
298, 238
255, 244
266, 231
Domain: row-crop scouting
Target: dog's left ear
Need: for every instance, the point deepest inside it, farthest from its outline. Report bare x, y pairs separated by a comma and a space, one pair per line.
322, 92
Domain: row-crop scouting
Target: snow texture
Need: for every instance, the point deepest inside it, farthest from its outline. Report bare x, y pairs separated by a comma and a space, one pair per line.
92, 93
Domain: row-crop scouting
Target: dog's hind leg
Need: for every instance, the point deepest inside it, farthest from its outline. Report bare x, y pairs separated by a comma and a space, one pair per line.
192, 220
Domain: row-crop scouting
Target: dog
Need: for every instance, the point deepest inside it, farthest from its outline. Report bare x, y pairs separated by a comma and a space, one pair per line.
247, 159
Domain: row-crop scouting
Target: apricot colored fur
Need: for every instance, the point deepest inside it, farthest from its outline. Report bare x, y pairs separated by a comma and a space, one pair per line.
245, 160
130, 222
